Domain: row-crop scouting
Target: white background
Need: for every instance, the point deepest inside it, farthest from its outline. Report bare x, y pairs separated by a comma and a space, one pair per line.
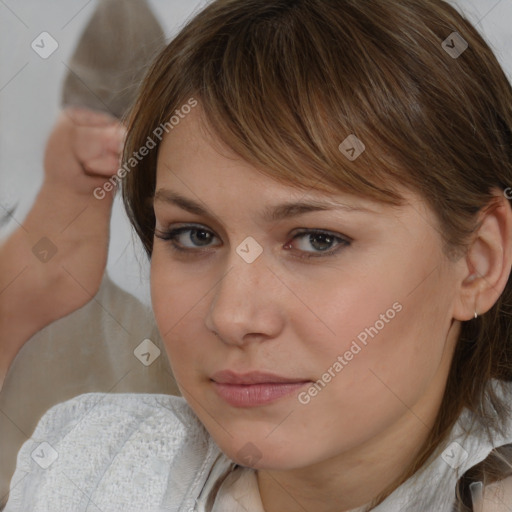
30, 89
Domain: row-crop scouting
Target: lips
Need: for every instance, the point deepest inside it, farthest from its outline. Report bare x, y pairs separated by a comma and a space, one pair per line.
254, 388
230, 377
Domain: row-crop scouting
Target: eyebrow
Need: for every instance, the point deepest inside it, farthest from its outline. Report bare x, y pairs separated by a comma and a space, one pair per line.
271, 214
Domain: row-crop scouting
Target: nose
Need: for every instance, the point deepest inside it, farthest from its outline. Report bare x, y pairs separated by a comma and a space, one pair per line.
247, 304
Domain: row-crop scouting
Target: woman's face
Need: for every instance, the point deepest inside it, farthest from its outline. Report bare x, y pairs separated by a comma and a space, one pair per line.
327, 342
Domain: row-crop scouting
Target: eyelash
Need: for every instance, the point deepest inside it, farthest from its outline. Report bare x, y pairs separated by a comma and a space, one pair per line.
171, 235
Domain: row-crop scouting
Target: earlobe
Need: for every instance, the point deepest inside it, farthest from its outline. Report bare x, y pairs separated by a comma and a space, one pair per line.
488, 261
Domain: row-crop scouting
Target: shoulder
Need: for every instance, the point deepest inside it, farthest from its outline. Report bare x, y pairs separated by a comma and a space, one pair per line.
126, 407
103, 444
113, 414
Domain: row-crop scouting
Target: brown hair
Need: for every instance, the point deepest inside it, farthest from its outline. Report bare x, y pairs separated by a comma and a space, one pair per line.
284, 82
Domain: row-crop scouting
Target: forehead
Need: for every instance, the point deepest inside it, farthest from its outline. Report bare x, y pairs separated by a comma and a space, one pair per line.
194, 162
191, 141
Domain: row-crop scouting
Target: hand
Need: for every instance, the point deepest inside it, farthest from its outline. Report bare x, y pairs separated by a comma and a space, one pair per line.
83, 151
68, 224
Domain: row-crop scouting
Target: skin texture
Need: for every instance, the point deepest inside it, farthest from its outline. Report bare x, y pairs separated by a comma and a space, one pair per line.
294, 317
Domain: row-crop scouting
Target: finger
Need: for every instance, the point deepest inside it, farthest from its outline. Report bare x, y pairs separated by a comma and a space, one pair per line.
104, 167
90, 143
115, 138
87, 117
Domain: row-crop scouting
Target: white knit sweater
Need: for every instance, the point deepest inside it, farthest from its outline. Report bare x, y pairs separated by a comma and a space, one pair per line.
143, 452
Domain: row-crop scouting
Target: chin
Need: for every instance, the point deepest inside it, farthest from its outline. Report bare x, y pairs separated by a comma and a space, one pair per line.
260, 452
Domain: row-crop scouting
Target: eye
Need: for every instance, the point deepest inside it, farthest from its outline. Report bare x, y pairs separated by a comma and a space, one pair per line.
321, 241
190, 239
197, 236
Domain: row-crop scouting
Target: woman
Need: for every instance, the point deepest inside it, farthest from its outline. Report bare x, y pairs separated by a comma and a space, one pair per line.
320, 188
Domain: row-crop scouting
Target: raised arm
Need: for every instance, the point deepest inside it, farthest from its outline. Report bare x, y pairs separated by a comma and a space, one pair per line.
53, 263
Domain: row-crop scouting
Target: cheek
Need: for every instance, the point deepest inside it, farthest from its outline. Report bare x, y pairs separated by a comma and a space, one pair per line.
389, 351
386, 333
352, 313
178, 300
367, 336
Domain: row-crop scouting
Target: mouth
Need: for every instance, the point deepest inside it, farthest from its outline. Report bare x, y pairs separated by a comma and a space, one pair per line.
255, 388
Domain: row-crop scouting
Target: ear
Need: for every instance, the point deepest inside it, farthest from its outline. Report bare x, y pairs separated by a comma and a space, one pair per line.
488, 261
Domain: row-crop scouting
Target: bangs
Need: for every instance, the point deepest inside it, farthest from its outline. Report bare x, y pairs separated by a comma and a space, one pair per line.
333, 96
297, 109
292, 89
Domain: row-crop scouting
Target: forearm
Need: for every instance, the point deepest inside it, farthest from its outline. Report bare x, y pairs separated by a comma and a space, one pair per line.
44, 270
